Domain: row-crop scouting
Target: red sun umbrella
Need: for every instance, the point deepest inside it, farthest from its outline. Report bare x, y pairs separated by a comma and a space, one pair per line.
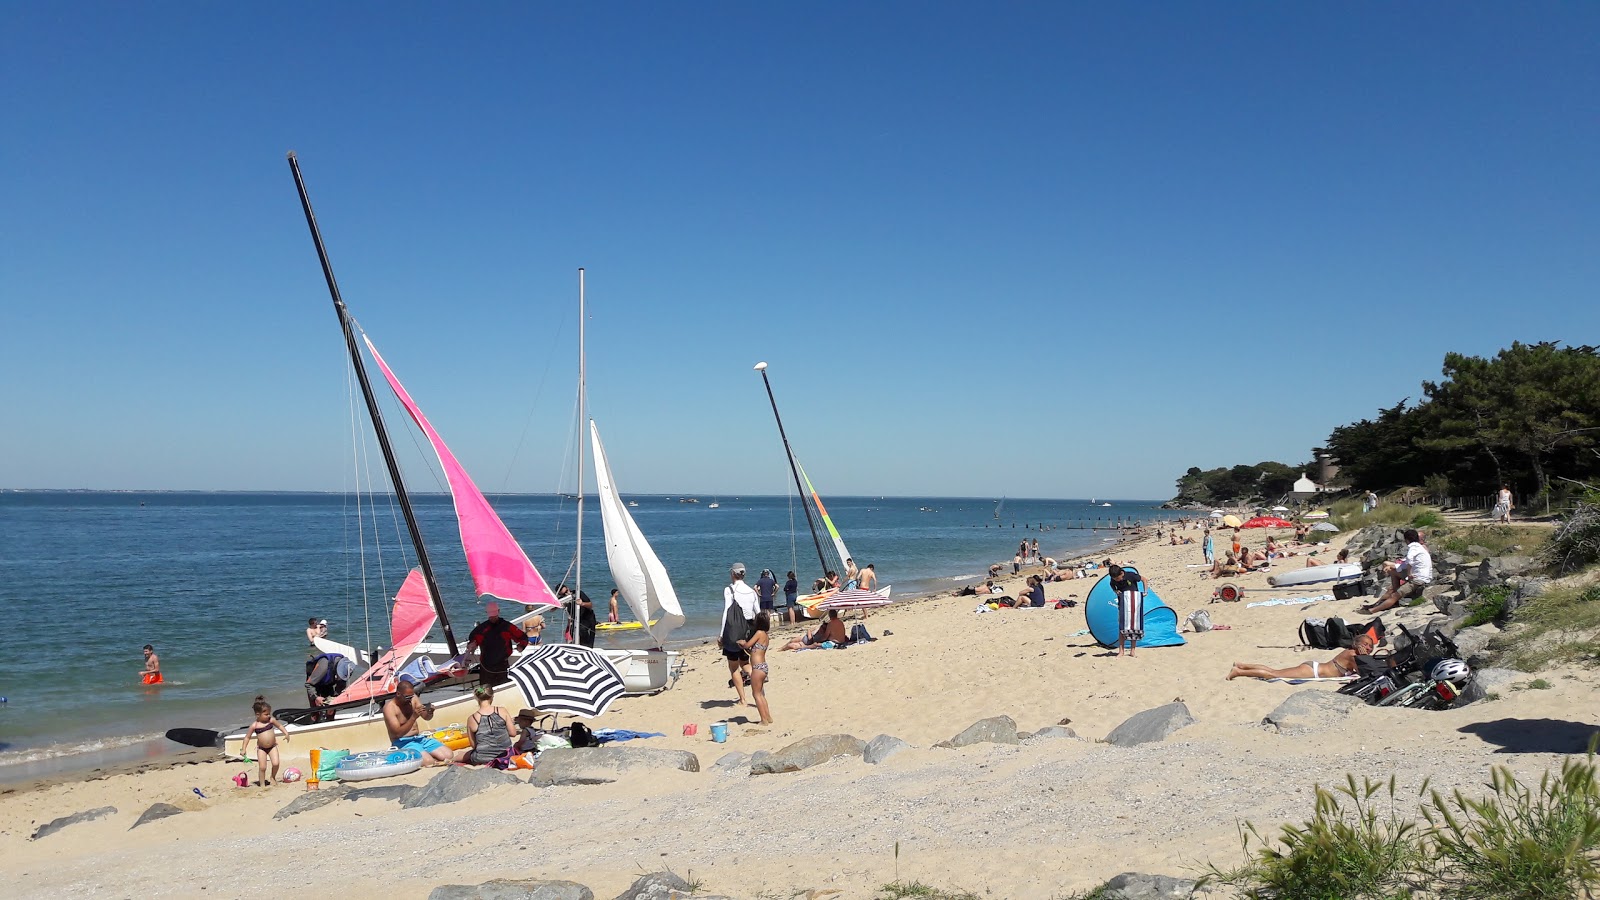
1267, 522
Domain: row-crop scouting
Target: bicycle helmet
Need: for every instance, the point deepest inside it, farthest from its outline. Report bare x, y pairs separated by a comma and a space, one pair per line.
1451, 670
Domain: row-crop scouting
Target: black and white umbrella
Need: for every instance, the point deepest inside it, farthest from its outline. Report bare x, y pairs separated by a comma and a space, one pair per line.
567, 678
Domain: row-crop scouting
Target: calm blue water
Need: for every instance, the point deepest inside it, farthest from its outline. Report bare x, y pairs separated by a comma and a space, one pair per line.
222, 584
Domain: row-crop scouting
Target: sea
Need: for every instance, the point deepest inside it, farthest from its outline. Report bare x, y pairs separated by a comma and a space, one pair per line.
222, 585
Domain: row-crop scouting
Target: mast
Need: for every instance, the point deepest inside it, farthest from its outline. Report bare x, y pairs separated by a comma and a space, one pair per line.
804, 503
583, 415
372, 408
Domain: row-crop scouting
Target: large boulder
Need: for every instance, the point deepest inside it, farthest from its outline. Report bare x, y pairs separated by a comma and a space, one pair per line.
1151, 726
1312, 709
732, 763
457, 783
600, 765
1138, 886
808, 752
1499, 568
311, 800
882, 747
508, 889
656, 886
156, 811
993, 730
401, 792
88, 815
1473, 641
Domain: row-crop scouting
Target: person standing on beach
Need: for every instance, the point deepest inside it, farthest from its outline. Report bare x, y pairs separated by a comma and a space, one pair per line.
767, 591
1035, 548
1208, 550
791, 595
1130, 608
756, 645
494, 639
739, 608
151, 673
868, 578
1502, 505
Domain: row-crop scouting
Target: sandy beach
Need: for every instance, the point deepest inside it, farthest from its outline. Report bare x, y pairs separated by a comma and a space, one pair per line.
1039, 819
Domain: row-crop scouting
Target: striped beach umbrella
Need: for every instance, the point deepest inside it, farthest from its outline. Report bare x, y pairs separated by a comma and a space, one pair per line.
854, 598
567, 678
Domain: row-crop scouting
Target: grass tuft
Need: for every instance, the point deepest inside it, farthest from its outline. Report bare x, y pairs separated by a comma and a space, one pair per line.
1560, 626
900, 890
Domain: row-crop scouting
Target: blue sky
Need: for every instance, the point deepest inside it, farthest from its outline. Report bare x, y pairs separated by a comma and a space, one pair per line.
1036, 250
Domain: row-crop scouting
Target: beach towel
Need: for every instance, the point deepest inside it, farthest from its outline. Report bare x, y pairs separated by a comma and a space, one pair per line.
1305, 680
1289, 601
617, 735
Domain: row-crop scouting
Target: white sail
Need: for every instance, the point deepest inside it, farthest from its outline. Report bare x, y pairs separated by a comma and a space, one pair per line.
640, 577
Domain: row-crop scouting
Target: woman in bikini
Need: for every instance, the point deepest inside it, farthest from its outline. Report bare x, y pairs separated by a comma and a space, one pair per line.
261, 731
1341, 666
756, 645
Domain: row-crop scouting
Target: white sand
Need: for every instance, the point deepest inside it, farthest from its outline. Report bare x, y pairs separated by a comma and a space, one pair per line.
1030, 821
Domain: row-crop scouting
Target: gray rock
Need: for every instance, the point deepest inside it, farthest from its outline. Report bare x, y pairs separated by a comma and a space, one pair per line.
882, 747
993, 730
656, 886
156, 811
1053, 733
1503, 567
733, 763
1310, 710
1151, 725
1472, 641
507, 889
600, 765
311, 800
1492, 679
1442, 595
1138, 886
456, 783
382, 792
1478, 552
88, 815
808, 752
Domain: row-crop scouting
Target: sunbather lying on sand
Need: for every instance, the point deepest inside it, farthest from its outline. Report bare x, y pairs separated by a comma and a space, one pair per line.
1341, 559
1341, 666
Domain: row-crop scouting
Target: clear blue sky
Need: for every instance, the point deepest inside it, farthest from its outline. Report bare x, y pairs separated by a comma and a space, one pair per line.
1020, 249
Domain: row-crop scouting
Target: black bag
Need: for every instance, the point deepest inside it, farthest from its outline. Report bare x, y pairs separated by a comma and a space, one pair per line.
858, 633
580, 735
735, 628
1314, 633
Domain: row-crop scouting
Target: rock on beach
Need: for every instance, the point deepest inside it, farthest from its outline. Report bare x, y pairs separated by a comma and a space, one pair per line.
808, 752
88, 815
508, 889
993, 730
1151, 726
602, 765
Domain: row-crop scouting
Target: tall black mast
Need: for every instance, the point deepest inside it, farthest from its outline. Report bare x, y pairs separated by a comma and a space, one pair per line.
804, 503
372, 409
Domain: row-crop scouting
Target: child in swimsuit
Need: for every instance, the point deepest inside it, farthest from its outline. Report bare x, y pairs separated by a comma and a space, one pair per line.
756, 645
261, 731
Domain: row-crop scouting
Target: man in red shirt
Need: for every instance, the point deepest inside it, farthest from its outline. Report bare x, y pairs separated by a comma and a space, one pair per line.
494, 639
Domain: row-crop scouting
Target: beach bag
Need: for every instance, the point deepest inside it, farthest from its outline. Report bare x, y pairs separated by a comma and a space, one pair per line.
1200, 620
579, 735
328, 764
735, 628
858, 632
1314, 634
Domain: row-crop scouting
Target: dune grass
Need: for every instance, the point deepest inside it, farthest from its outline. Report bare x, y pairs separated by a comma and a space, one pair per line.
1561, 626
1497, 539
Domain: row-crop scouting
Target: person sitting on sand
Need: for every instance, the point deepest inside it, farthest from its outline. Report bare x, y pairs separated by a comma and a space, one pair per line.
1343, 665
401, 715
831, 629
1227, 567
490, 730
1033, 594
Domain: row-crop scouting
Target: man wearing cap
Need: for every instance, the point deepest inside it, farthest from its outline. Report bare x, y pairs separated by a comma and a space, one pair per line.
739, 604
494, 639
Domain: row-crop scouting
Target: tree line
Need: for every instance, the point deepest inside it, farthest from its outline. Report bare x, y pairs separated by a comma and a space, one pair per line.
1528, 417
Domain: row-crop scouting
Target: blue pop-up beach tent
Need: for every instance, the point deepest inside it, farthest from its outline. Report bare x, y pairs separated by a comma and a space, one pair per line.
1160, 622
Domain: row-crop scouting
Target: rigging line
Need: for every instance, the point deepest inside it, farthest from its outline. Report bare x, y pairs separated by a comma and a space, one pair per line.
377, 536
344, 522
538, 392
357, 451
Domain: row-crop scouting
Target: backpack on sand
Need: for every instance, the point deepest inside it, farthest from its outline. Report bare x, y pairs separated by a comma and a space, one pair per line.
1314, 634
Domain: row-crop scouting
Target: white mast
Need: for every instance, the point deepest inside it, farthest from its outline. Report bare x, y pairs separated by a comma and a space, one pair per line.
583, 416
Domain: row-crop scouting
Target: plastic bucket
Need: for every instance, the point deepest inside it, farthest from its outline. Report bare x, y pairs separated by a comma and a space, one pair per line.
719, 732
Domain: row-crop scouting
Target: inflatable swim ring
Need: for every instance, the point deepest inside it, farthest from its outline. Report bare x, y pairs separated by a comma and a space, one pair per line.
453, 736
380, 764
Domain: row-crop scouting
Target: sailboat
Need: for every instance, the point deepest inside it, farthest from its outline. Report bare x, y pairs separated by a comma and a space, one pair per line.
500, 570
999, 506
638, 573
802, 483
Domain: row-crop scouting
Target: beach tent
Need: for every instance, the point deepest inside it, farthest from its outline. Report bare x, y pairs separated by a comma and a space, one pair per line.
1160, 622
1267, 522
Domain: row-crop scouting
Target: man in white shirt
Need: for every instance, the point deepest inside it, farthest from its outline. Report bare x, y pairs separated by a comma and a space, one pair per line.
739, 604
1407, 578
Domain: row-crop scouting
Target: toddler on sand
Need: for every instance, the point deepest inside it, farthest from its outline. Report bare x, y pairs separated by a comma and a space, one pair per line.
261, 731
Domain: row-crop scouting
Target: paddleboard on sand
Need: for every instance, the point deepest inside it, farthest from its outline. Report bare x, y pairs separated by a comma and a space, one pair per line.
195, 737
1314, 574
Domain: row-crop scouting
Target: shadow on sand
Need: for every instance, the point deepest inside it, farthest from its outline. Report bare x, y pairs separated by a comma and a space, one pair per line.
1535, 735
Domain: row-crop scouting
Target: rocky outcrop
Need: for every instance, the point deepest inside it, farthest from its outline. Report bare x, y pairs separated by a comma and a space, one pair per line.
656, 886
808, 752
88, 815
993, 730
1151, 726
1312, 709
507, 889
457, 783
1138, 886
1052, 733
882, 747
156, 811
600, 765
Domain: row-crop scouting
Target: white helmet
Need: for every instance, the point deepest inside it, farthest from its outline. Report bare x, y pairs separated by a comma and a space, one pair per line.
1451, 670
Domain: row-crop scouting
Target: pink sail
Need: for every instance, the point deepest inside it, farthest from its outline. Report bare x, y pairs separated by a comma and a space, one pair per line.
500, 568
413, 616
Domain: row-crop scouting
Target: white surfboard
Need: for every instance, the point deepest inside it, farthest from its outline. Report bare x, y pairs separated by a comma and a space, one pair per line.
1314, 574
